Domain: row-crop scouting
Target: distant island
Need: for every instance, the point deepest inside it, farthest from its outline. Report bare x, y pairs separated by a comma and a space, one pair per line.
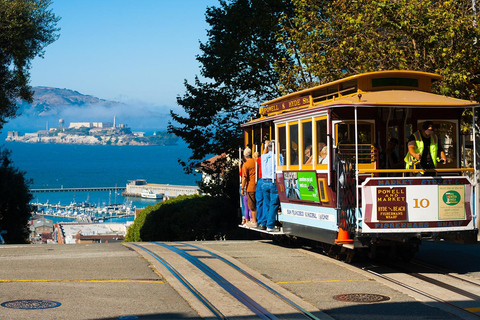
94, 133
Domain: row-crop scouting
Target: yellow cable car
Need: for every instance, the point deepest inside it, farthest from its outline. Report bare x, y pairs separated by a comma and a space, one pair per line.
340, 170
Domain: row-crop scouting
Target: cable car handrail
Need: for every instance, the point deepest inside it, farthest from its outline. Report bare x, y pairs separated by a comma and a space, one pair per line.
325, 96
372, 171
367, 153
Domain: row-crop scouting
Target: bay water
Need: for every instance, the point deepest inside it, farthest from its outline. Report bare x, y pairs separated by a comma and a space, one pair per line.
84, 166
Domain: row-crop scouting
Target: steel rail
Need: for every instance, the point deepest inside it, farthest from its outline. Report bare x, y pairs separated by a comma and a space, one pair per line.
184, 281
442, 271
260, 283
256, 308
423, 293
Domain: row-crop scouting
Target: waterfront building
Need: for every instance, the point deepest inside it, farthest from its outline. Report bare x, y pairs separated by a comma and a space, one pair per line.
40, 226
135, 188
71, 233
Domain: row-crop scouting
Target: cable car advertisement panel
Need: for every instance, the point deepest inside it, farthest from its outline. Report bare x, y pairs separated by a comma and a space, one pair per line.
417, 203
305, 200
301, 185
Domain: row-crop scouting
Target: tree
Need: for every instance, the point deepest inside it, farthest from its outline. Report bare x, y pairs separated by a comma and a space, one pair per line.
238, 65
251, 56
15, 197
338, 38
26, 28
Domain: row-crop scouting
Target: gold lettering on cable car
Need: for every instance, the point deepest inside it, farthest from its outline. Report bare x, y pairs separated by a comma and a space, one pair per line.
391, 204
286, 105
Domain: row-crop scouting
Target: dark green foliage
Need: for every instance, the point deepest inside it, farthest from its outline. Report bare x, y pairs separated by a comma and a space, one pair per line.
26, 28
82, 131
161, 138
15, 197
133, 233
185, 218
338, 38
238, 61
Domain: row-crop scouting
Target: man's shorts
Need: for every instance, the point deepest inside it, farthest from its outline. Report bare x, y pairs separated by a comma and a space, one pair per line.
252, 203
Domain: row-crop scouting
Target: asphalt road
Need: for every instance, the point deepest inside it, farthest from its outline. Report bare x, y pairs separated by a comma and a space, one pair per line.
113, 281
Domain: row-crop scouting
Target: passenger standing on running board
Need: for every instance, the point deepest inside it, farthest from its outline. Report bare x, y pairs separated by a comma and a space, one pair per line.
249, 186
261, 212
271, 202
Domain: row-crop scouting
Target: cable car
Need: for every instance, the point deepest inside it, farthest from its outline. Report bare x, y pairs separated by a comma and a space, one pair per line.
340, 171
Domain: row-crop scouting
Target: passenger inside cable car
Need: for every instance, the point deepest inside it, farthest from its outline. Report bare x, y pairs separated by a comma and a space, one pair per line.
308, 155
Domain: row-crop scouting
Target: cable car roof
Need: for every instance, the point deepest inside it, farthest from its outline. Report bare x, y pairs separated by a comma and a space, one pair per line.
364, 81
395, 88
400, 98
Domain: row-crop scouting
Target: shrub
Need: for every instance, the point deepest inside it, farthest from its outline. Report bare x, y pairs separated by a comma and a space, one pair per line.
185, 218
133, 232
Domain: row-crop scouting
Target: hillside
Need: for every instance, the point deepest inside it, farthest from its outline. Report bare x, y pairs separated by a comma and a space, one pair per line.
51, 101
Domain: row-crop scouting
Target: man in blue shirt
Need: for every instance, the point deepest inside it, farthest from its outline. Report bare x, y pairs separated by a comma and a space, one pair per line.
271, 202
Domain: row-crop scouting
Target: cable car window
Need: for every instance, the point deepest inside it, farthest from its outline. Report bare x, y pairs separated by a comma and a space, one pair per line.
395, 82
282, 145
257, 139
307, 143
293, 133
346, 138
321, 132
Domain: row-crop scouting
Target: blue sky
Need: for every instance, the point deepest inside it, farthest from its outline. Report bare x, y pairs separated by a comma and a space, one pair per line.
134, 51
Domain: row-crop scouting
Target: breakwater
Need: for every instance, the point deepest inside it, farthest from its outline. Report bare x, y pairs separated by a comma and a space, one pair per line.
89, 189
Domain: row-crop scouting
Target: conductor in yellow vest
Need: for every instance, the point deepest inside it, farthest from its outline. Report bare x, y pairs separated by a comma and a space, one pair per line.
423, 146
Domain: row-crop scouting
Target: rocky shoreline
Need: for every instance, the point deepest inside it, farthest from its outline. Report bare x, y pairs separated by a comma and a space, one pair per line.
121, 140
95, 136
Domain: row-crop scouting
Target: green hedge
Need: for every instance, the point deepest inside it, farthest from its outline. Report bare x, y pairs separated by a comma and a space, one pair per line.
185, 218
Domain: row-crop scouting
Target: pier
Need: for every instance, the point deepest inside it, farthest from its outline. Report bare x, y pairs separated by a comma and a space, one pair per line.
133, 189
136, 187
78, 189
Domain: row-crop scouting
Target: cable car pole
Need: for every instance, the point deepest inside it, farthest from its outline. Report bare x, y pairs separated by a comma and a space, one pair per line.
357, 209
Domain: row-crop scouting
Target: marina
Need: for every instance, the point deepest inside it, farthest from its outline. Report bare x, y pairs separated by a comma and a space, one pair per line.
74, 204
84, 212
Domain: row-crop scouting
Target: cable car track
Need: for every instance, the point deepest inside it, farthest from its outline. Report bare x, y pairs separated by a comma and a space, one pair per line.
184, 281
443, 271
454, 293
228, 278
439, 285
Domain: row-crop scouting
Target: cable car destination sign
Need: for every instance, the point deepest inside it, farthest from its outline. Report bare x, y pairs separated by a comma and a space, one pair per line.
409, 204
285, 105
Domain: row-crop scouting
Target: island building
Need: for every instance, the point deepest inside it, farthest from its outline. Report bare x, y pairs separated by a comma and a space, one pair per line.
78, 125
12, 134
95, 128
103, 125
